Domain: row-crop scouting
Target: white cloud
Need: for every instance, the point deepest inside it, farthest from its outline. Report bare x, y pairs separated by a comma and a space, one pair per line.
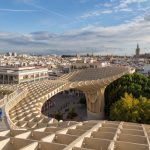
114, 39
147, 16
114, 6
106, 4
124, 10
96, 13
125, 3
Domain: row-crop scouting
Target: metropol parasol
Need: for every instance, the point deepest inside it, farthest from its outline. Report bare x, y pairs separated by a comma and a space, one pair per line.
29, 129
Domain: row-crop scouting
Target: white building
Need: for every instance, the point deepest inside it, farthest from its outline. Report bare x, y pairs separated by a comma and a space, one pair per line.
17, 75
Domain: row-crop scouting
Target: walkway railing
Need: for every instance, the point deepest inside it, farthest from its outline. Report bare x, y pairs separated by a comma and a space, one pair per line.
3, 101
12, 100
6, 98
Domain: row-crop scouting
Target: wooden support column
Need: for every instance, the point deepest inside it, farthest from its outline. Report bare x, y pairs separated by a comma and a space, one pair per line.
95, 104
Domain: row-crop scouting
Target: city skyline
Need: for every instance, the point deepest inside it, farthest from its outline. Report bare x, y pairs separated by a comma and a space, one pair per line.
68, 26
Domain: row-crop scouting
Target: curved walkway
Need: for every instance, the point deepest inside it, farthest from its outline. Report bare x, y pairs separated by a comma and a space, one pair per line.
24, 111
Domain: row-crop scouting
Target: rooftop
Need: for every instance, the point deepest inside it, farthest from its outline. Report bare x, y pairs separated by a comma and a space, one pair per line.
88, 135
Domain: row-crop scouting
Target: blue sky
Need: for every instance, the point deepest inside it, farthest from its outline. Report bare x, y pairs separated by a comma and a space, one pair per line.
70, 26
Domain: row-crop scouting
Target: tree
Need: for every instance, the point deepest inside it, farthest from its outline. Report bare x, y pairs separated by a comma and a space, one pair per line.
72, 114
131, 109
58, 116
136, 84
144, 110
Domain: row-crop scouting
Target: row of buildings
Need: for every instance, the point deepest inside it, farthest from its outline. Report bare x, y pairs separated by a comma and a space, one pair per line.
20, 68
